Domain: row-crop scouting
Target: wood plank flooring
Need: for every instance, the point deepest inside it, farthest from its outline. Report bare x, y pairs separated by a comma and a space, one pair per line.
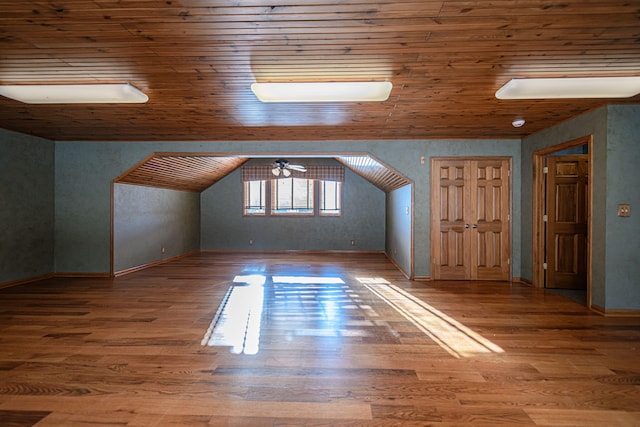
340, 340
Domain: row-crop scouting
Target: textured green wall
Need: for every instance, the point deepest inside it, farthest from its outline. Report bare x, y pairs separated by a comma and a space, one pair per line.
399, 226
147, 219
26, 206
623, 186
362, 220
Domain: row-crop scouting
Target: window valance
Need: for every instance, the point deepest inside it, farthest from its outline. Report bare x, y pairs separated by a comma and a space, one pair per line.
320, 173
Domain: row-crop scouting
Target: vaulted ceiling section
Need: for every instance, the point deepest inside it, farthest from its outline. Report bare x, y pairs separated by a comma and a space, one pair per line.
196, 60
380, 175
184, 172
196, 172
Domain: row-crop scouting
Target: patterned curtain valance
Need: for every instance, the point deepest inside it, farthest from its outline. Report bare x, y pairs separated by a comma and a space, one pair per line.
321, 173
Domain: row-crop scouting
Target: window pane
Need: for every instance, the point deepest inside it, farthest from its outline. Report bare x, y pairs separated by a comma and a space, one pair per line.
292, 196
330, 198
254, 197
302, 194
284, 194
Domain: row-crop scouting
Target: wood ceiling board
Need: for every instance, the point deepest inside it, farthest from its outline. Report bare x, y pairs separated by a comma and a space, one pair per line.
193, 173
196, 62
382, 176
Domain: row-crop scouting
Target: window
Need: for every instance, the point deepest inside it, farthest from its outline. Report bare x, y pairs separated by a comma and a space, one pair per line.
292, 196
330, 198
254, 197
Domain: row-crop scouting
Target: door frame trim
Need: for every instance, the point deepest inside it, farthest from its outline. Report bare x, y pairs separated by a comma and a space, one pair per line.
538, 209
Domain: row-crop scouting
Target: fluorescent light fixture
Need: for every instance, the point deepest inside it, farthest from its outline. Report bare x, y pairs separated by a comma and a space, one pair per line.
74, 94
322, 91
571, 87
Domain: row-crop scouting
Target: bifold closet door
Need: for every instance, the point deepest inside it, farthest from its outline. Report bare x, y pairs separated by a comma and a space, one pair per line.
470, 219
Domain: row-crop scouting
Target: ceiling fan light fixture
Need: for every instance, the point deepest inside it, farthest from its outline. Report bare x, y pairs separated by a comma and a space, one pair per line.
277, 170
570, 88
322, 91
74, 93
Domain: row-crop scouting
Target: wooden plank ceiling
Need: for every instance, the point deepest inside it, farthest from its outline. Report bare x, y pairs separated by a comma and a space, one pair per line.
380, 175
198, 171
184, 172
196, 60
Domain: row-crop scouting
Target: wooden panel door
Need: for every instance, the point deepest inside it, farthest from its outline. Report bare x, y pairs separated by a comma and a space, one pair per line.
490, 244
450, 200
566, 231
470, 219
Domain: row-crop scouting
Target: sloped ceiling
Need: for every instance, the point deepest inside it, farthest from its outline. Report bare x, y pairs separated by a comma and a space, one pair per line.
189, 172
197, 172
375, 172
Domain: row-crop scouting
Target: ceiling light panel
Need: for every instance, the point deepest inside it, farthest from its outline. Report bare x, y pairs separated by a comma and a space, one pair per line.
576, 87
322, 91
74, 94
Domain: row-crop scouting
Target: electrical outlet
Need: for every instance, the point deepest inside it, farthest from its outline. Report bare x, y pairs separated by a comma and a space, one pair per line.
353, 243
251, 241
624, 210
162, 250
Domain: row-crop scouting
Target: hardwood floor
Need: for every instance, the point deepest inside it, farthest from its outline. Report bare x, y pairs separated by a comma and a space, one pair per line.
348, 341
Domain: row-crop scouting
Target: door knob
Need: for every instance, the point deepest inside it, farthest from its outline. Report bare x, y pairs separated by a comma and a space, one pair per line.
466, 226
475, 225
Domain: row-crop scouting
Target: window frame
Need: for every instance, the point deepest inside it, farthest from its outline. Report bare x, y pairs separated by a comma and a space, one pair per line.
246, 195
316, 193
292, 212
322, 197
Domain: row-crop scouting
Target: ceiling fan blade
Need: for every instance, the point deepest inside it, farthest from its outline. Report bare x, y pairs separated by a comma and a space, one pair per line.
298, 168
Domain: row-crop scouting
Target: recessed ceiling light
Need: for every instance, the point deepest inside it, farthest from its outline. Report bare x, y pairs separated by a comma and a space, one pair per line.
322, 91
518, 123
571, 87
74, 94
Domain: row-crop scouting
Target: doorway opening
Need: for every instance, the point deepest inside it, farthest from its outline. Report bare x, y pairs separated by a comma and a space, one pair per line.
562, 204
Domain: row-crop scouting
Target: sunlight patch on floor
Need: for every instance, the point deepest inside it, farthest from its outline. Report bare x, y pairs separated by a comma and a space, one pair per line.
308, 280
323, 307
454, 337
238, 320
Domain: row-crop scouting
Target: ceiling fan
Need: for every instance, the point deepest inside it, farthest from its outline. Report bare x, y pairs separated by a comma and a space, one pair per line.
282, 166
